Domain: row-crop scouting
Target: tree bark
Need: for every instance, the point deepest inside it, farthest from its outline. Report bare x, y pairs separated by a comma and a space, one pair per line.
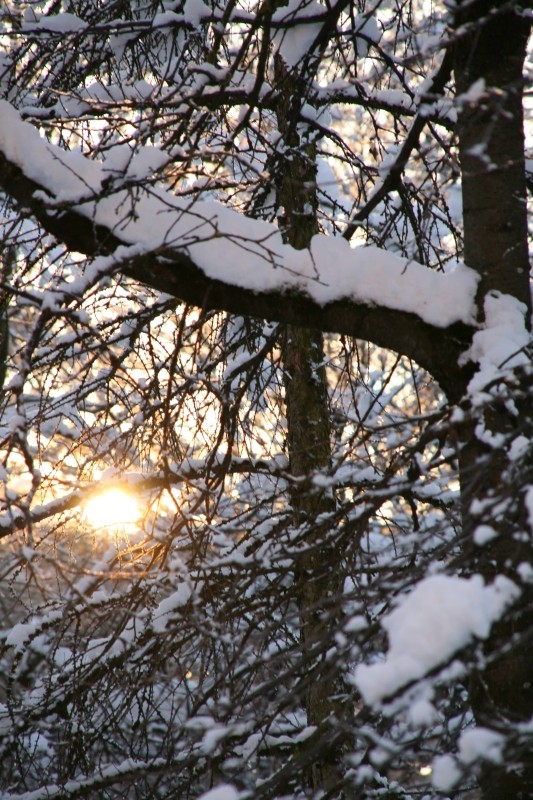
318, 574
489, 57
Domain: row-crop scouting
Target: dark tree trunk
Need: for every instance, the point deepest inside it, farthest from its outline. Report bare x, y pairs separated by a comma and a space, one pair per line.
489, 57
318, 574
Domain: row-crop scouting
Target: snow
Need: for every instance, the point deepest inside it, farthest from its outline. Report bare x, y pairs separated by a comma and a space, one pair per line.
481, 743
445, 773
518, 448
296, 41
193, 11
223, 792
499, 345
475, 744
367, 30
79, 786
212, 737
355, 624
146, 160
165, 608
474, 93
525, 571
255, 256
62, 23
421, 712
440, 616
484, 534
69, 175
22, 632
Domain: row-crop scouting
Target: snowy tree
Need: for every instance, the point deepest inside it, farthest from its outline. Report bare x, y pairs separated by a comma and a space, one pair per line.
266, 454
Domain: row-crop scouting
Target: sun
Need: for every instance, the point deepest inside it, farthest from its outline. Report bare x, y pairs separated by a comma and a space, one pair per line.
111, 509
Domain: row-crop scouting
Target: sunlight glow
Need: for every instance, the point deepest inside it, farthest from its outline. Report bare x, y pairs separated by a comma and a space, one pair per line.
112, 508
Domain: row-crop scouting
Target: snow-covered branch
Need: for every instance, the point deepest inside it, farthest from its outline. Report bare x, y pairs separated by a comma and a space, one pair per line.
212, 256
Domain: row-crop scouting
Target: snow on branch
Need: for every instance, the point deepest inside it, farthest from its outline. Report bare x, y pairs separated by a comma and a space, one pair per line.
230, 248
442, 615
107, 774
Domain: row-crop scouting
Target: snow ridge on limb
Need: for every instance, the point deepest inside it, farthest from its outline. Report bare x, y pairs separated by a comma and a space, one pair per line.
174, 245
441, 615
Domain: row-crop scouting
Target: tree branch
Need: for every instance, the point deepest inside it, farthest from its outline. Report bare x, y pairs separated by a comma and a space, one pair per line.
394, 174
13, 520
175, 272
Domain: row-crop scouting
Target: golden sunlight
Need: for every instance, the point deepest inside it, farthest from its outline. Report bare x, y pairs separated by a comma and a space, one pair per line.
112, 508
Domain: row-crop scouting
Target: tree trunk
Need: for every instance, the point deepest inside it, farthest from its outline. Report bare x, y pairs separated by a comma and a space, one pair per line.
489, 57
318, 576
489, 60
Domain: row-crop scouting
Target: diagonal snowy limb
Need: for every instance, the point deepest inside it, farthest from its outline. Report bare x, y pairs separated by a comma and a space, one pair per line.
211, 256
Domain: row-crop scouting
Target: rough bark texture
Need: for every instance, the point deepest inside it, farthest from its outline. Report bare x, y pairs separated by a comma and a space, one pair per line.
489, 56
318, 575
494, 493
491, 48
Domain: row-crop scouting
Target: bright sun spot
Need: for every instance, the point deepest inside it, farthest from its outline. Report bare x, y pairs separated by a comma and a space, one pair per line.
111, 508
